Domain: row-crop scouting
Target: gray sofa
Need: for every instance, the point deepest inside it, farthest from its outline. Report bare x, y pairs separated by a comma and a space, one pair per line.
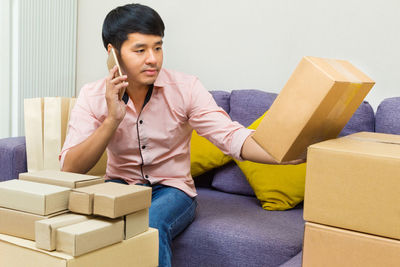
231, 228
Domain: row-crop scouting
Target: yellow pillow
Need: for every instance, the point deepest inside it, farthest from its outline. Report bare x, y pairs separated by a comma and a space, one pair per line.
278, 187
204, 155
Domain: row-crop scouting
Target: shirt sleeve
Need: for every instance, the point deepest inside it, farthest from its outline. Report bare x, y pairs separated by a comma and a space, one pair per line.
212, 122
81, 125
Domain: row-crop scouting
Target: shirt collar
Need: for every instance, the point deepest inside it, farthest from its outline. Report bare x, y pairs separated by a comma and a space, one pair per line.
160, 81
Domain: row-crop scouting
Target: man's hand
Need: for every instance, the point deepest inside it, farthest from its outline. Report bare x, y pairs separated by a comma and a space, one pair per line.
252, 151
116, 107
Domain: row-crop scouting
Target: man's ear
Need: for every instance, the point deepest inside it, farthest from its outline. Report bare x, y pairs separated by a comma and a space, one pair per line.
109, 46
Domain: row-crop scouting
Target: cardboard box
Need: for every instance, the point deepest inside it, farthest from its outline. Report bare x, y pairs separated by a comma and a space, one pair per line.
19, 223
111, 200
45, 230
315, 104
142, 250
37, 198
66, 179
329, 246
354, 182
87, 236
136, 223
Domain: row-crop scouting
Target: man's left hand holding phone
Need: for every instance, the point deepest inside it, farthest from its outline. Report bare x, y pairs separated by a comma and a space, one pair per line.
116, 84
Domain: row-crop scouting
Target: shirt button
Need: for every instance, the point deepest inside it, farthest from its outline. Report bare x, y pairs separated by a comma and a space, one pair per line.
143, 147
146, 176
140, 121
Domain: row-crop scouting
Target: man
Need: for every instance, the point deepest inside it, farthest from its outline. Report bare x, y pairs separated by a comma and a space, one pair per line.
148, 138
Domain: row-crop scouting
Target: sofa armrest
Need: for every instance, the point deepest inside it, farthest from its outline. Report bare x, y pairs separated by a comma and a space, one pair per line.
12, 157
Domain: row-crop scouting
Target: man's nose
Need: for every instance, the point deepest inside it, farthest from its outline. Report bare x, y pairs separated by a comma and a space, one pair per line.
151, 59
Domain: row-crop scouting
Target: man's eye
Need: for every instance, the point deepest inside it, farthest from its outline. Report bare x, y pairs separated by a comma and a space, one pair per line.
158, 48
140, 51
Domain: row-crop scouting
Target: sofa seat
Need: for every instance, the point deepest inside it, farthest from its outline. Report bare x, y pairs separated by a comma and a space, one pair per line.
232, 230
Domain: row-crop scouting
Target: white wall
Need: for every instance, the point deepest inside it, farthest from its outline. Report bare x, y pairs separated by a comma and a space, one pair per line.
5, 19
257, 44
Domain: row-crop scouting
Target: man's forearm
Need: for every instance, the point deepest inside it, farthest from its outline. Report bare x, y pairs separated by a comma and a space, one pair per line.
252, 151
81, 158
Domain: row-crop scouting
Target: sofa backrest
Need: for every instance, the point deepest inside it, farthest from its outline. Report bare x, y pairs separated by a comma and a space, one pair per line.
388, 116
245, 106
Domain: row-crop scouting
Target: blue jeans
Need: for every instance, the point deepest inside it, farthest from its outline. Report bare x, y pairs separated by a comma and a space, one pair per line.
171, 212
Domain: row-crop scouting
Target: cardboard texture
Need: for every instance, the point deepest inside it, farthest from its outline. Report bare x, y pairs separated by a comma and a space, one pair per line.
354, 182
37, 198
332, 247
21, 224
87, 236
136, 223
45, 230
33, 120
142, 250
66, 179
111, 200
315, 104
54, 130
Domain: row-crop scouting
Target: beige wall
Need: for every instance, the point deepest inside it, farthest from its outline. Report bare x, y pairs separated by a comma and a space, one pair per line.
233, 44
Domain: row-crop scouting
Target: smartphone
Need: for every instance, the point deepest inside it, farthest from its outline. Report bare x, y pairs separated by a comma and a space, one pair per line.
111, 62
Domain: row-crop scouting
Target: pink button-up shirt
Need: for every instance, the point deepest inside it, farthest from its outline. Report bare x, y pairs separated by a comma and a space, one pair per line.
154, 145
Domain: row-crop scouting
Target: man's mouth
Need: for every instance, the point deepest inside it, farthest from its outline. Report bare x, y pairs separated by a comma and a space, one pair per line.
150, 72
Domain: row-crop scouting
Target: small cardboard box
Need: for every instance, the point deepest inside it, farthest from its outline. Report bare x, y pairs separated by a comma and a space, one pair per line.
315, 104
331, 247
111, 200
136, 223
66, 179
353, 183
80, 238
37, 198
141, 250
19, 223
45, 230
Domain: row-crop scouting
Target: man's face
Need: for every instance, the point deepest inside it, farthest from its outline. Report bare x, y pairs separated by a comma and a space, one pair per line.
142, 57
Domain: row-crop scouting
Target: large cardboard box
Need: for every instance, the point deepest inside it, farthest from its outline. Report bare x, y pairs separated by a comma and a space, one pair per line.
331, 247
19, 223
353, 182
110, 199
141, 250
80, 238
37, 198
136, 223
315, 104
66, 179
45, 230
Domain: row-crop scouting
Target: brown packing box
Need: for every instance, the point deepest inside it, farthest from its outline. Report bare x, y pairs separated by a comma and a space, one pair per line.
142, 250
328, 246
354, 182
136, 223
110, 199
80, 238
45, 230
37, 198
66, 179
19, 223
315, 104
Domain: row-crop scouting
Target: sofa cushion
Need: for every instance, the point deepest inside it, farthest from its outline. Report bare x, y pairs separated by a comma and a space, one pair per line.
232, 230
388, 116
12, 157
245, 107
363, 120
296, 261
222, 98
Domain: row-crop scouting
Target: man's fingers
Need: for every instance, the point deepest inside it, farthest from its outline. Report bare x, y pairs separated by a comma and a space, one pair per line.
111, 73
119, 79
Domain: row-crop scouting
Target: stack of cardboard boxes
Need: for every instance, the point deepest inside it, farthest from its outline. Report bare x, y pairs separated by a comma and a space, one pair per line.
352, 202
39, 214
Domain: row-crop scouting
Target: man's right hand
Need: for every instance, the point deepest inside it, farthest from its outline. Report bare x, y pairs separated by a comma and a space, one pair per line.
116, 107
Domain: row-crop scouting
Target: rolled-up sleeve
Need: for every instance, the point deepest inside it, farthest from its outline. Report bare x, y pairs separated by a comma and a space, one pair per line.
212, 122
81, 125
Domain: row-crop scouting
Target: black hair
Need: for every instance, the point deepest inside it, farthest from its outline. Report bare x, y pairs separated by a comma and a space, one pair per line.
131, 18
